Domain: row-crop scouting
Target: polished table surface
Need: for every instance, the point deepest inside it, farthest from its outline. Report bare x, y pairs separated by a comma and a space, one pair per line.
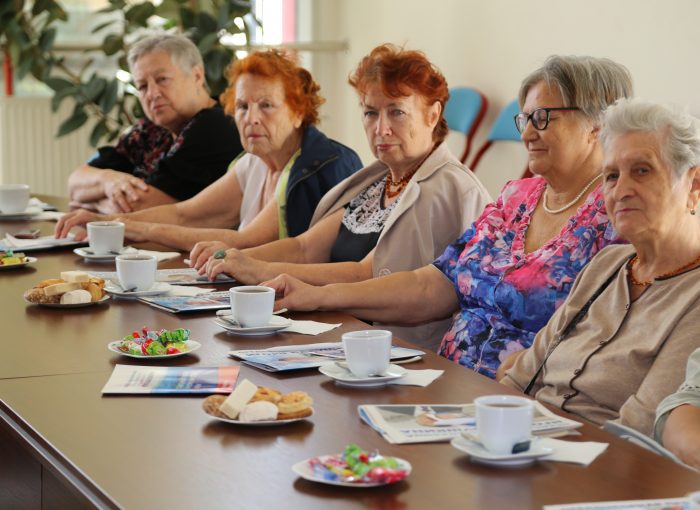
164, 452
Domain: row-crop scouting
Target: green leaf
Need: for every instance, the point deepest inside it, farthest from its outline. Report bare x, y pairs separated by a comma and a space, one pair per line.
112, 44
187, 17
40, 6
47, 39
206, 24
98, 132
58, 84
110, 96
94, 88
215, 61
74, 122
25, 64
102, 26
208, 42
139, 13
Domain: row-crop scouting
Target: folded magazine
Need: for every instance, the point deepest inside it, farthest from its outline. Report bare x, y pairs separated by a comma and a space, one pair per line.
426, 423
145, 380
182, 304
297, 357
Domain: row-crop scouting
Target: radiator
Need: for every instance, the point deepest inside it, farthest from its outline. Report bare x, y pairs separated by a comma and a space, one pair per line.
30, 153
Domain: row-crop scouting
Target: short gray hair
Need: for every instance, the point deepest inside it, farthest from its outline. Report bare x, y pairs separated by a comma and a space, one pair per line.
588, 83
677, 132
182, 51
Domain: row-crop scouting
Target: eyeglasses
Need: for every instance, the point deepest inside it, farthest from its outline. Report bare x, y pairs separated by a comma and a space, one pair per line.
539, 117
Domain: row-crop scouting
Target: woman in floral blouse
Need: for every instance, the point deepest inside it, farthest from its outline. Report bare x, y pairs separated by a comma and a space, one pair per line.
509, 271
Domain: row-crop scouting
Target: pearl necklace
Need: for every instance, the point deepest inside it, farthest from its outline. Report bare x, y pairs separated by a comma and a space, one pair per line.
576, 198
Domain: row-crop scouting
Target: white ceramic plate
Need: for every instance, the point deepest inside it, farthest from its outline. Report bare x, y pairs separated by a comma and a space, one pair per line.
157, 288
88, 254
276, 324
79, 305
344, 377
192, 345
27, 213
306, 472
30, 260
480, 454
266, 423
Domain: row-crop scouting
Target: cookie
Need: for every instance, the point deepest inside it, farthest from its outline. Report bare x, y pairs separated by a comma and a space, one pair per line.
292, 416
37, 295
294, 402
212, 403
267, 395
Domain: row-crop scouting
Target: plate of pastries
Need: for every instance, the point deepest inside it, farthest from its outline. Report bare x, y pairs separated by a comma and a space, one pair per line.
74, 289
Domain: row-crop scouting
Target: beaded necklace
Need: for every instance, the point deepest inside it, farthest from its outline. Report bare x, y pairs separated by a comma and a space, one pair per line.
633, 261
399, 185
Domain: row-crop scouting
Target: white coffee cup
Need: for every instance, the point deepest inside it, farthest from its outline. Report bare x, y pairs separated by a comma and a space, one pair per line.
252, 305
105, 237
502, 421
367, 352
694, 501
13, 198
136, 272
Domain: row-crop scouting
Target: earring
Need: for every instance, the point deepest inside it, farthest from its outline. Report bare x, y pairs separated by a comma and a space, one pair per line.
692, 212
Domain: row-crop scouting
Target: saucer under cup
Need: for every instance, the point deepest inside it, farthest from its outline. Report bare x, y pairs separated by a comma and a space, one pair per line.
105, 237
502, 421
14, 198
136, 272
252, 305
367, 352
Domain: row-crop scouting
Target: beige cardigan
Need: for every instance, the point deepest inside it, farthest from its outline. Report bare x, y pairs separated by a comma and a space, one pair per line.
623, 358
441, 201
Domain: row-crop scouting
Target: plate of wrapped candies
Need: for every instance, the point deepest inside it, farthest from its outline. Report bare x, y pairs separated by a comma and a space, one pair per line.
155, 344
13, 260
254, 406
354, 467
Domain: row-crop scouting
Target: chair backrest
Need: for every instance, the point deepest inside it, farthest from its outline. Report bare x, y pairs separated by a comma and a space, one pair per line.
503, 129
464, 112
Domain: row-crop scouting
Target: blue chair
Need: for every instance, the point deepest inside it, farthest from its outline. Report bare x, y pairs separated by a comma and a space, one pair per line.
503, 130
464, 112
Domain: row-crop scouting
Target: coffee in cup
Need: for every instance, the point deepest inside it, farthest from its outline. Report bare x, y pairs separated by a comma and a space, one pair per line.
105, 237
367, 352
136, 272
13, 198
251, 305
502, 421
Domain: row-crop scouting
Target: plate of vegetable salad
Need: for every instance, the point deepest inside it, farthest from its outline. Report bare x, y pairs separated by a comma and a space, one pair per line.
155, 344
354, 467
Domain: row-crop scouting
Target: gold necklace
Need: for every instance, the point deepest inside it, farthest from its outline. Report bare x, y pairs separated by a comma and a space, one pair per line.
633, 261
566, 206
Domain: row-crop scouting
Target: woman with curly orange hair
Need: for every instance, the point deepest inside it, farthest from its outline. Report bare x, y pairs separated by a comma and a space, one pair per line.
397, 214
271, 191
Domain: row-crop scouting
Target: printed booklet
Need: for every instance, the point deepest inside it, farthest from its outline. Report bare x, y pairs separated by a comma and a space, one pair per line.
182, 304
183, 276
297, 357
142, 380
639, 504
426, 423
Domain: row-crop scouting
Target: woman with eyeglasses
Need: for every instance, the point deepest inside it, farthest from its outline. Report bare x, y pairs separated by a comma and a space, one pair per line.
504, 277
617, 345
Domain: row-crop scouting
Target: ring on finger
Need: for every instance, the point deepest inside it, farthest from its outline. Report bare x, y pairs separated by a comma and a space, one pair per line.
219, 254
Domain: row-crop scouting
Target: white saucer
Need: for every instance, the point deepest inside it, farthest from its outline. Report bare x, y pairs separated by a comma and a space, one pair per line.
265, 423
192, 345
29, 260
276, 324
307, 473
157, 288
343, 377
27, 213
76, 305
88, 254
480, 454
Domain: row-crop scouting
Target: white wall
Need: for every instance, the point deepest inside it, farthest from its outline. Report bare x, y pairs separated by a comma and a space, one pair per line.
493, 44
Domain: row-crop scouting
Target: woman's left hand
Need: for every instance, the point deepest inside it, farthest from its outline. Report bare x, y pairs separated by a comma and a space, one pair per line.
243, 268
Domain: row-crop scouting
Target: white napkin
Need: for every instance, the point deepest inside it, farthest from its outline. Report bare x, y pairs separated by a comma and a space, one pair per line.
310, 327
572, 451
162, 256
187, 290
11, 241
418, 377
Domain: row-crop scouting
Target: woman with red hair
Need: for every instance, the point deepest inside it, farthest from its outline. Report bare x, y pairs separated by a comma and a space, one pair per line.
271, 191
396, 214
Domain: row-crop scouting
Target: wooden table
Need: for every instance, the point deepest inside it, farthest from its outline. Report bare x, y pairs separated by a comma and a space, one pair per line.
63, 445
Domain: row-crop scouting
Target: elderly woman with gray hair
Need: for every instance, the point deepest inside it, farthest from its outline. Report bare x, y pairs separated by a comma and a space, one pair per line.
613, 350
184, 143
502, 279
